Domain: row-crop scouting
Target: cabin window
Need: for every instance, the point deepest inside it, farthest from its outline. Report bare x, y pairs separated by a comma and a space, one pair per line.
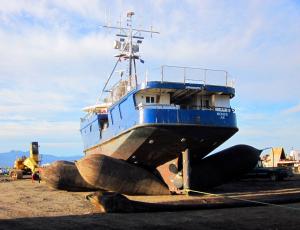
90, 128
150, 99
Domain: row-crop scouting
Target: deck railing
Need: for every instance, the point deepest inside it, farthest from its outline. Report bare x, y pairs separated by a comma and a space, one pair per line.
169, 73
194, 75
189, 107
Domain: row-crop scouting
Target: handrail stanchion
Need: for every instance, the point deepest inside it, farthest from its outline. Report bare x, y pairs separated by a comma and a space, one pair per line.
226, 77
162, 73
184, 75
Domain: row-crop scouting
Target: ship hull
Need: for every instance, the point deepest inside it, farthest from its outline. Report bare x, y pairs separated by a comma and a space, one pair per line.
150, 146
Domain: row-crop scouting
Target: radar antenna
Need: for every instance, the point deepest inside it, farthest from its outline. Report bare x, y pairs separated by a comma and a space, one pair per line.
128, 42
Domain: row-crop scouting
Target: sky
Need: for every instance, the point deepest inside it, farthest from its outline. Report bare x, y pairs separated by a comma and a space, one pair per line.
55, 58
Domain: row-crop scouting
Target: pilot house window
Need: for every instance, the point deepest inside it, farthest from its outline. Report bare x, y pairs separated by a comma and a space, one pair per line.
150, 99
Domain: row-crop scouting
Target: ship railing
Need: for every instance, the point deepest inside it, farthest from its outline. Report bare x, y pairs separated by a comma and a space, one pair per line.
189, 107
170, 73
120, 88
212, 108
157, 106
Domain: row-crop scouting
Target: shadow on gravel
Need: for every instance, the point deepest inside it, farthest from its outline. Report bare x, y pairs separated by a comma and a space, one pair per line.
234, 218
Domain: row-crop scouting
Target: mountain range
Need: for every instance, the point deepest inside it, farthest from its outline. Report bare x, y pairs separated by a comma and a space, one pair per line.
7, 159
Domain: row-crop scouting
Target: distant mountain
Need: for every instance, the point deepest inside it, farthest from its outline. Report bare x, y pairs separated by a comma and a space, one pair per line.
7, 159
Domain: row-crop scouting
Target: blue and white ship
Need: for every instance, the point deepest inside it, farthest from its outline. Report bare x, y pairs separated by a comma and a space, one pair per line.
153, 124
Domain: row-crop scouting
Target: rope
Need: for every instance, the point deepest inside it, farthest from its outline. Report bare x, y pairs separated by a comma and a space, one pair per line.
244, 200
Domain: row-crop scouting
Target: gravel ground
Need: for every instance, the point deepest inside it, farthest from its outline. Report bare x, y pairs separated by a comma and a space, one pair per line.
27, 205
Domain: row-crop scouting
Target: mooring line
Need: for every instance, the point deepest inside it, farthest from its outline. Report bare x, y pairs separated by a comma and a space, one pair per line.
244, 200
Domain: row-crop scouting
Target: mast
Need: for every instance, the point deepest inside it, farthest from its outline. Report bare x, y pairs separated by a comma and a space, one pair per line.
129, 24
128, 42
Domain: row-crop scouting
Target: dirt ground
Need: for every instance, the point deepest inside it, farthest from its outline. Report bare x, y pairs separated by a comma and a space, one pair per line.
27, 205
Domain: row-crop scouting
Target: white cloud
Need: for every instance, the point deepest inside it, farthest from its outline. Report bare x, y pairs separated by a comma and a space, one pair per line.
256, 41
254, 116
294, 109
54, 57
39, 129
36, 49
53, 12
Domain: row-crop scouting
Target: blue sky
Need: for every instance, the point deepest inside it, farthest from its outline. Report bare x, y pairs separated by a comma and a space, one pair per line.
55, 58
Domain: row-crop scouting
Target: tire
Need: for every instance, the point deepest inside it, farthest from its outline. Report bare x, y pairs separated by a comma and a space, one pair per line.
16, 174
